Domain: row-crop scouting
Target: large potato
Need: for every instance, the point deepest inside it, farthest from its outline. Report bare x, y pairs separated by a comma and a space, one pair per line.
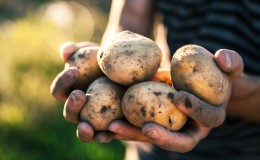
85, 59
152, 102
129, 58
193, 69
103, 104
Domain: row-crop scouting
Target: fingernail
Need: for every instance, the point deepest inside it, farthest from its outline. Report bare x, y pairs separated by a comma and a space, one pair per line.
153, 134
228, 60
71, 75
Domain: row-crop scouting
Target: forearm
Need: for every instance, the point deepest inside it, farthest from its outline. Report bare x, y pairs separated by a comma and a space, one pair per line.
137, 16
245, 98
134, 15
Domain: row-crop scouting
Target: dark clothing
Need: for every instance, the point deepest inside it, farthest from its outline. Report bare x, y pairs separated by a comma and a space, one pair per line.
216, 24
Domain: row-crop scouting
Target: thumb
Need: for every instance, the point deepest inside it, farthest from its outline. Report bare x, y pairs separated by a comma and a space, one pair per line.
230, 62
200, 111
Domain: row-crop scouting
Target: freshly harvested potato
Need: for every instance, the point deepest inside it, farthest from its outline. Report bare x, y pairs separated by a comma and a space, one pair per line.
103, 104
129, 58
85, 59
152, 102
193, 69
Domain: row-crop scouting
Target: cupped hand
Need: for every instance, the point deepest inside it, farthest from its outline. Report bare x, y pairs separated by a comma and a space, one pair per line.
202, 116
85, 131
62, 89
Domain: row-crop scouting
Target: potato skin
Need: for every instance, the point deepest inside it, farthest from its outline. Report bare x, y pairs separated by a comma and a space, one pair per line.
194, 70
103, 104
152, 102
85, 59
129, 58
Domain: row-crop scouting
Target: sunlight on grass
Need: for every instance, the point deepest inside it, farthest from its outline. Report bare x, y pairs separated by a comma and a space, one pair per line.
30, 52
32, 125
11, 114
65, 21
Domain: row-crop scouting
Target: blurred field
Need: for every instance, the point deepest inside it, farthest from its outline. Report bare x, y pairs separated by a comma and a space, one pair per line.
31, 122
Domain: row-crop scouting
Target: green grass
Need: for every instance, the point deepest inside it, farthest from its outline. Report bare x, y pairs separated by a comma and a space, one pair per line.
31, 121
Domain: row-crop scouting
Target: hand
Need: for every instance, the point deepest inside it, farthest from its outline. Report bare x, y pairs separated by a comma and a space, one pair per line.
202, 116
62, 85
61, 89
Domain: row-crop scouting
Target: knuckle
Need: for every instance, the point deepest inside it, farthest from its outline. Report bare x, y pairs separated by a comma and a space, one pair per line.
164, 144
70, 116
216, 120
187, 148
181, 148
220, 118
165, 147
199, 110
161, 143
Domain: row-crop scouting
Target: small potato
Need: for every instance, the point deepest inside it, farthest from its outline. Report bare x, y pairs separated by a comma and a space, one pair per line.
193, 69
103, 104
85, 59
129, 58
152, 102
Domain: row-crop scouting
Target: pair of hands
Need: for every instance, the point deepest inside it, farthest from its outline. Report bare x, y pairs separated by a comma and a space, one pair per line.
202, 116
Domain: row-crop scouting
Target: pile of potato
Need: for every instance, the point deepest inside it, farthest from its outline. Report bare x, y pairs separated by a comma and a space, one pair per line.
120, 79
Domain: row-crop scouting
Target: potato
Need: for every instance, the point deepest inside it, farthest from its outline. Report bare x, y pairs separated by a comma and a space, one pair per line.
129, 58
85, 59
194, 70
152, 102
103, 104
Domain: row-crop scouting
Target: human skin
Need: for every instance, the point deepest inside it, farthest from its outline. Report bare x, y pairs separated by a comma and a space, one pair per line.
203, 116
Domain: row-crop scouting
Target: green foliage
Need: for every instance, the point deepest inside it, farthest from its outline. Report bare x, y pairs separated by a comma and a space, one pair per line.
31, 121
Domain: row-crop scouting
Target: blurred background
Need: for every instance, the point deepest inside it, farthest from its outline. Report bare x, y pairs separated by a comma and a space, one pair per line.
31, 122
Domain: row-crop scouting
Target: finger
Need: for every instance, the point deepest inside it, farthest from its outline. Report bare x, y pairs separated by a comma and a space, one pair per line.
200, 111
104, 136
73, 106
86, 44
85, 132
63, 82
67, 49
126, 131
230, 62
173, 141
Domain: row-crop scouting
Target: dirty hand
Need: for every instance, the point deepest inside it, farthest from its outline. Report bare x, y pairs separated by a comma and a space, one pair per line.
202, 116
62, 89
